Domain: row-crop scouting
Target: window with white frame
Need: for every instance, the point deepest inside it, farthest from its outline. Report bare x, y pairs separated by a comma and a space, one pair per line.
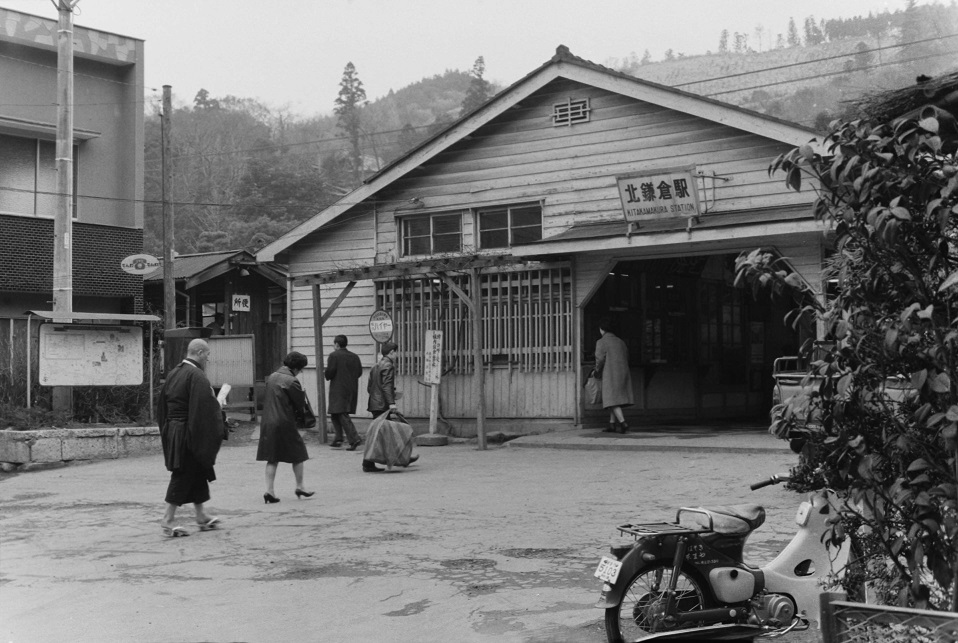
28, 176
509, 226
431, 234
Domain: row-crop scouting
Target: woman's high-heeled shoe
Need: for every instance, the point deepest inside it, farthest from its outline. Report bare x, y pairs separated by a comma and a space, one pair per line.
269, 498
304, 494
623, 427
613, 428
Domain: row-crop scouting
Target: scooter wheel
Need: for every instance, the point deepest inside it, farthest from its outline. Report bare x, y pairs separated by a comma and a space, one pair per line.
642, 608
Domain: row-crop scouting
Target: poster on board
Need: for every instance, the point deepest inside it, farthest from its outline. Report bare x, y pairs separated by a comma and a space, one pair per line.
78, 355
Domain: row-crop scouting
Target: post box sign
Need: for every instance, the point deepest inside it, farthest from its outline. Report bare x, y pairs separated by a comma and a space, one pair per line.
659, 196
381, 326
240, 303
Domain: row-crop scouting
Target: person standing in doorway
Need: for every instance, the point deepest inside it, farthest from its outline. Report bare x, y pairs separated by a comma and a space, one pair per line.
343, 370
284, 411
191, 432
612, 367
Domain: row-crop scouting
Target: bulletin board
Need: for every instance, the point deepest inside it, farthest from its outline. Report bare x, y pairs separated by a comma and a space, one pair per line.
78, 355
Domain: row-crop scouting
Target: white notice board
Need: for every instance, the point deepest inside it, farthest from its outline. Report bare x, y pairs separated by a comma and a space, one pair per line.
77, 355
432, 372
232, 360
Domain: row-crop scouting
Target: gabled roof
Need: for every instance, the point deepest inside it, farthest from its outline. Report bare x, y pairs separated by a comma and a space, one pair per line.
195, 269
562, 65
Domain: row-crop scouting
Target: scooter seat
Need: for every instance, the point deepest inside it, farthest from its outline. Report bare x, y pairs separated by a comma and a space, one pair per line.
736, 519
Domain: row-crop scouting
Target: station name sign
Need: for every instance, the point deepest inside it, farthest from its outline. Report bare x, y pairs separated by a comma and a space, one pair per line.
658, 196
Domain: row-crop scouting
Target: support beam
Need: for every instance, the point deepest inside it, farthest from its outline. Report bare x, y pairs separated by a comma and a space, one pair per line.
479, 374
319, 318
320, 380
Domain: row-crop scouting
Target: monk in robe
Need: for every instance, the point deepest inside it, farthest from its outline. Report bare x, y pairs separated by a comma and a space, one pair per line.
191, 430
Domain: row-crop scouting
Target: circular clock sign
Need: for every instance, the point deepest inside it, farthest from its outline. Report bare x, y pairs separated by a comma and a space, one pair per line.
381, 326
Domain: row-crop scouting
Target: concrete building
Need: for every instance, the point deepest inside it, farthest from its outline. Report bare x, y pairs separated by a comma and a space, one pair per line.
108, 166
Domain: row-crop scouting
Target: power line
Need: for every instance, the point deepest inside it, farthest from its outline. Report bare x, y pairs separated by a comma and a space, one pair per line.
697, 82
831, 73
815, 60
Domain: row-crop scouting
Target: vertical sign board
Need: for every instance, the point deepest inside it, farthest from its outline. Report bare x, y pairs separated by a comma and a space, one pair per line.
433, 358
77, 355
660, 195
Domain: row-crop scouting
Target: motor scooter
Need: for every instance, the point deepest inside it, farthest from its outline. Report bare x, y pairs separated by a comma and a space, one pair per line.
687, 580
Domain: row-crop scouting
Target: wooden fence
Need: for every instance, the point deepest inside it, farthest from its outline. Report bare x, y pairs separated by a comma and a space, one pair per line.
846, 622
14, 353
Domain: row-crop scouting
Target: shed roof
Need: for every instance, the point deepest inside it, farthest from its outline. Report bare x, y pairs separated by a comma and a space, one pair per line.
187, 266
195, 269
562, 65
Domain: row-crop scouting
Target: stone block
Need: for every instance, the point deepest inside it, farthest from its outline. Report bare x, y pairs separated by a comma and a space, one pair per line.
47, 448
138, 440
90, 444
15, 446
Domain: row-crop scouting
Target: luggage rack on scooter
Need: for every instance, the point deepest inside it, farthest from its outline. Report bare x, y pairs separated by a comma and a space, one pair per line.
646, 529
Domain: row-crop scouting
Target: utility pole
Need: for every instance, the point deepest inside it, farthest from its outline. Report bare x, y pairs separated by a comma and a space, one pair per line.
169, 284
63, 220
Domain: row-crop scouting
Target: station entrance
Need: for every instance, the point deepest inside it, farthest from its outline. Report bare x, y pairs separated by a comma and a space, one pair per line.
700, 347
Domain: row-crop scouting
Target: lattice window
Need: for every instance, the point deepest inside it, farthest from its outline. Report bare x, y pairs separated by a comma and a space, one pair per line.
526, 320
431, 234
504, 227
574, 110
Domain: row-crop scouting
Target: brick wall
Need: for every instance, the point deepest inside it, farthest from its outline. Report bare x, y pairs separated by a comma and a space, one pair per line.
26, 259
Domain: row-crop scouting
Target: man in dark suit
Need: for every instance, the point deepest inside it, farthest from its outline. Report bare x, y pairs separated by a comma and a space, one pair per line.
343, 371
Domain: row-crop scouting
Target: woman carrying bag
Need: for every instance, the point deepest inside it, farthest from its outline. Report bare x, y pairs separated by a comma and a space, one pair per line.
389, 439
284, 412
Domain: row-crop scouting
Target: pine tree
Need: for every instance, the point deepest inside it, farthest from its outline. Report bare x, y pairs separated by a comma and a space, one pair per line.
723, 42
792, 37
349, 104
478, 92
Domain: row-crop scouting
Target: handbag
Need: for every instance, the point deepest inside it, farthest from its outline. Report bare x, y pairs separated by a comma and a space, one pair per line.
309, 418
593, 389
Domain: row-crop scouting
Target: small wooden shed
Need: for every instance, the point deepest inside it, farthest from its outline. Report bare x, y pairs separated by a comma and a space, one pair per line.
250, 296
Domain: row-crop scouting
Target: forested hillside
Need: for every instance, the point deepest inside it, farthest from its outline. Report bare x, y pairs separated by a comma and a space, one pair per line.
244, 172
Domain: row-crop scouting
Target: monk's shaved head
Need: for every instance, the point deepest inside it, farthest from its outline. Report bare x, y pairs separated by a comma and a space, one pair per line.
199, 352
196, 346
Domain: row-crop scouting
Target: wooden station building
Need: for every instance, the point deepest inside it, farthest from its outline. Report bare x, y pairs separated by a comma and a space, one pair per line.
575, 193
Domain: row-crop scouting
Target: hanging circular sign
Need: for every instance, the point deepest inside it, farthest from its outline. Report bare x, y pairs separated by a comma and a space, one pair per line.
381, 326
140, 264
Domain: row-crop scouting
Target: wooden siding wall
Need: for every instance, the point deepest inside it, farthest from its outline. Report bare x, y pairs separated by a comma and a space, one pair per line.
520, 157
345, 243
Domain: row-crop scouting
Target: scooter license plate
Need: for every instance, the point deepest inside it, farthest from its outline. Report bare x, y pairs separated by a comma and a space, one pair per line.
608, 569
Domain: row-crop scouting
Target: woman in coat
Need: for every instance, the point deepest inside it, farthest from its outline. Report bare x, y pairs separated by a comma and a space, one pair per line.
284, 408
612, 367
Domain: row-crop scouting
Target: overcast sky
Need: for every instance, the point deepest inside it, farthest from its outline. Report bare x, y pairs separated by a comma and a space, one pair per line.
292, 52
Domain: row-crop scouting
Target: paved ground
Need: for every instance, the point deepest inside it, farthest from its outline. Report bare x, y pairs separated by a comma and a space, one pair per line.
467, 545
